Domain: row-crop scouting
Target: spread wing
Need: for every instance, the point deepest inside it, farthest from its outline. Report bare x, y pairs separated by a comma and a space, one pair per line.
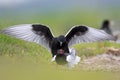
37, 33
80, 34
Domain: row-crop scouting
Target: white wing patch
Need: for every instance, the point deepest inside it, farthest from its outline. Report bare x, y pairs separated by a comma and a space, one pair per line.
92, 35
26, 33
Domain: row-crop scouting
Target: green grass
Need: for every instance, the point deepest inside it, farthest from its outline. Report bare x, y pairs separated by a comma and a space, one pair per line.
92, 49
21, 60
31, 68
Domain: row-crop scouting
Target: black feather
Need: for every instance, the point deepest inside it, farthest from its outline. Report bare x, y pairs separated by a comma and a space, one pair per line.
78, 30
42, 30
106, 27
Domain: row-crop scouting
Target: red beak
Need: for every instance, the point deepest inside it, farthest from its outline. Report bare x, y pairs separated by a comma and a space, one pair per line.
60, 51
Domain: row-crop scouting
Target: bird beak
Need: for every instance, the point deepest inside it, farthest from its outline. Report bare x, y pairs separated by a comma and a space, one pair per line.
61, 43
53, 59
60, 51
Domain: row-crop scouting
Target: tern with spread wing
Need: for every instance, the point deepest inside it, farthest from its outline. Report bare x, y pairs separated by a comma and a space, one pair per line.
59, 46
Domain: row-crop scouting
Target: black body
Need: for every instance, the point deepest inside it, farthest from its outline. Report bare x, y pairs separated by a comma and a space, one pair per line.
57, 44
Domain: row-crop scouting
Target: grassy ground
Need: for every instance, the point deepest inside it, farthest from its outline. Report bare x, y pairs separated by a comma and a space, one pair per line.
21, 60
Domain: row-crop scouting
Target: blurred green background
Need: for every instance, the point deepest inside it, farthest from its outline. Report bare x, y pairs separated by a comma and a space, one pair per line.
60, 15
20, 60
